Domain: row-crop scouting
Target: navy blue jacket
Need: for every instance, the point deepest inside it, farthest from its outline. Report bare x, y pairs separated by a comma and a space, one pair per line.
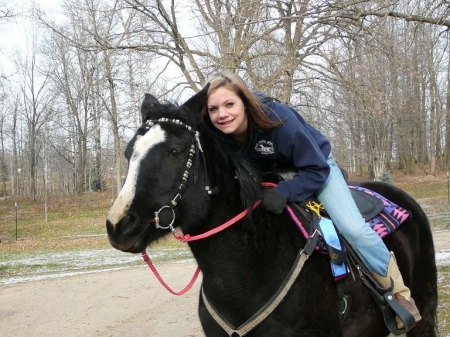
295, 144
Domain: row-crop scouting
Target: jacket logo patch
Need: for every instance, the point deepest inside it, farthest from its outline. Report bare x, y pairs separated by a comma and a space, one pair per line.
264, 147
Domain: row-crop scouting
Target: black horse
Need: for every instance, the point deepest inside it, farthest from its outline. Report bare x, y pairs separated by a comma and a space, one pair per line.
173, 157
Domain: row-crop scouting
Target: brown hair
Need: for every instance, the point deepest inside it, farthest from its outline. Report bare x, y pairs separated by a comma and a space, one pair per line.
253, 107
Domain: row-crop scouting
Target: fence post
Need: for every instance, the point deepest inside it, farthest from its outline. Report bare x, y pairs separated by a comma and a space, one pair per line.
448, 188
15, 206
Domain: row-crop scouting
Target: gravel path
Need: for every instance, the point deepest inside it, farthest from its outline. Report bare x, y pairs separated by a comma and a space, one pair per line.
120, 303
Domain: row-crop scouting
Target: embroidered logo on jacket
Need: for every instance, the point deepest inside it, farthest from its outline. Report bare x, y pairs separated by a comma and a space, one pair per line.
264, 147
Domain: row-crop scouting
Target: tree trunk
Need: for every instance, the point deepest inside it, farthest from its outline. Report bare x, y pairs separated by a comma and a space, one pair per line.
433, 113
447, 115
114, 121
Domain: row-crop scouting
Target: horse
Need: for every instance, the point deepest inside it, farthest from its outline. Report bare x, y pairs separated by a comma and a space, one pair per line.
180, 177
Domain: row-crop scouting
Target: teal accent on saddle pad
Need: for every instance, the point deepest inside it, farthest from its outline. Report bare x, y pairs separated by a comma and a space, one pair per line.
333, 244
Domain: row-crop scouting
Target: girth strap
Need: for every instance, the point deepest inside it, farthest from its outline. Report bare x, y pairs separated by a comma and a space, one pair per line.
270, 306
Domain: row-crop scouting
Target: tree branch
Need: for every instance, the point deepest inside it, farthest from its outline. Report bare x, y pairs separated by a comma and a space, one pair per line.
407, 17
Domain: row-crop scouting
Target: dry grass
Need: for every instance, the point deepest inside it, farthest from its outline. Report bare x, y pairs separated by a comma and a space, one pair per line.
71, 223
444, 301
79, 222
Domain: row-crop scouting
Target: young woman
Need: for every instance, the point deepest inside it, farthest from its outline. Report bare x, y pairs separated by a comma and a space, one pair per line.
273, 134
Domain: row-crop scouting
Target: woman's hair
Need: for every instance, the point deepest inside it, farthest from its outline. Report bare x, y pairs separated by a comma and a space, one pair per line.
253, 107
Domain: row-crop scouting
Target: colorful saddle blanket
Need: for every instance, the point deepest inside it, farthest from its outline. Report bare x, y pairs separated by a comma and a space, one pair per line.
390, 217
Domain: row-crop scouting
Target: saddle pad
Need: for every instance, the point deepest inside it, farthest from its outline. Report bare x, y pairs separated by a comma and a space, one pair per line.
390, 217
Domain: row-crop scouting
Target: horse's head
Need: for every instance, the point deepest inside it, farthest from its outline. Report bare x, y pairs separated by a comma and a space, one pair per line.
163, 168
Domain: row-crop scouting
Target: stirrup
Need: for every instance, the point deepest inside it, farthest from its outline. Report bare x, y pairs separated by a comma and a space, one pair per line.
391, 319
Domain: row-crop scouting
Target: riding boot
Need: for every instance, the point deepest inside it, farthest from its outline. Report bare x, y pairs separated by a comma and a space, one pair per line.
401, 292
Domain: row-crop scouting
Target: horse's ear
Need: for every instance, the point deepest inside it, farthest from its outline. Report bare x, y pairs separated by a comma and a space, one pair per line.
196, 103
148, 104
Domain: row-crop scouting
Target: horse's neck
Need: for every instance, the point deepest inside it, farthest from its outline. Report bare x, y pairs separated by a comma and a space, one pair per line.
256, 251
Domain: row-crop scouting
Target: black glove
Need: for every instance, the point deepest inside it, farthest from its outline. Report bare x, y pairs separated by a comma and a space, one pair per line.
273, 201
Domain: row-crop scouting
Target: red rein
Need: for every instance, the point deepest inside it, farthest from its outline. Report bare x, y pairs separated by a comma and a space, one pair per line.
158, 276
187, 238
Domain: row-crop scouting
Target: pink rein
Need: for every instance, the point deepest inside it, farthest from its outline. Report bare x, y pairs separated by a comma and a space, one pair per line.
158, 276
188, 238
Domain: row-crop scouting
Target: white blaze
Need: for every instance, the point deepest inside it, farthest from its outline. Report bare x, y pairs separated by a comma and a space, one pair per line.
142, 146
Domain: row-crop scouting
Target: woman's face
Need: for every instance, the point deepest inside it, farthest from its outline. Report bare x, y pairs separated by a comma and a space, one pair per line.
227, 113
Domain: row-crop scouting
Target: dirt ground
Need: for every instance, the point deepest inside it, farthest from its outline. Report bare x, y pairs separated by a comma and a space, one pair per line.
120, 303
127, 302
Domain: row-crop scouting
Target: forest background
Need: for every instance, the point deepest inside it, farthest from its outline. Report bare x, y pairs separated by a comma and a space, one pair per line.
374, 76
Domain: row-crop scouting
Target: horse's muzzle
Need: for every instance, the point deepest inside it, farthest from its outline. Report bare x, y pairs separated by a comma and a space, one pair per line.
127, 235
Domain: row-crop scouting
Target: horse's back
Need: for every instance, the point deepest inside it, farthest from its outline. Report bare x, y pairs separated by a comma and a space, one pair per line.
311, 308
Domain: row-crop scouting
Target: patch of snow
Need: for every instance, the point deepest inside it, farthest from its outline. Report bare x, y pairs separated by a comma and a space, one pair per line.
443, 258
65, 264
70, 263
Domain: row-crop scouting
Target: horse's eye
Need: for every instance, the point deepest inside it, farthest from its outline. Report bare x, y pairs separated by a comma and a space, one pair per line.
174, 153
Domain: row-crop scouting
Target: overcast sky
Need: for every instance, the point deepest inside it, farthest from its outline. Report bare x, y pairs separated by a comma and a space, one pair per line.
12, 34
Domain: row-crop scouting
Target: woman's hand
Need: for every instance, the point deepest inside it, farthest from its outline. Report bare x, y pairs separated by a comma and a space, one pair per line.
273, 201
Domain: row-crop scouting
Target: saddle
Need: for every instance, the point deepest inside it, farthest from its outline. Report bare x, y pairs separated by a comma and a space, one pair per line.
382, 215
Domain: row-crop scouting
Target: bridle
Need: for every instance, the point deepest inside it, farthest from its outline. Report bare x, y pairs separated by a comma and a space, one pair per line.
196, 148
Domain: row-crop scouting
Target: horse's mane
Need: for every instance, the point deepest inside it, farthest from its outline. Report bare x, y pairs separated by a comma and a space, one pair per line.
249, 181
241, 167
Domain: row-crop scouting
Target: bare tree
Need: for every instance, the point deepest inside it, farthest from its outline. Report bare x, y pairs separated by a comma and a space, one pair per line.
36, 103
389, 72
72, 80
362, 71
3, 167
6, 11
447, 113
94, 25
